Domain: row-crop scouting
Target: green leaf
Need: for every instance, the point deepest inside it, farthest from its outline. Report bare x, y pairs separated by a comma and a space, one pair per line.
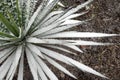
10, 27
6, 35
12, 20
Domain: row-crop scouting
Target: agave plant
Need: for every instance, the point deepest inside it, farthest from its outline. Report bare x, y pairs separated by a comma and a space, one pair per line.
30, 34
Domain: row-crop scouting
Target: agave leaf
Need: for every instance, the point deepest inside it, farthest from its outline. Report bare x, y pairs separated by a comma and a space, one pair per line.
41, 73
45, 29
45, 41
73, 10
11, 18
65, 42
51, 20
6, 35
35, 50
83, 67
59, 3
20, 73
71, 22
74, 34
61, 28
68, 42
75, 15
35, 40
78, 64
58, 66
4, 68
49, 16
50, 54
5, 39
51, 41
60, 48
12, 75
4, 57
81, 42
28, 8
14, 63
54, 41
49, 2
63, 15
5, 51
46, 11
32, 19
32, 64
10, 27
7, 44
45, 68
73, 47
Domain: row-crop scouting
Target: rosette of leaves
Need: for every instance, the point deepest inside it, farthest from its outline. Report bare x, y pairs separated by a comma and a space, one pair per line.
33, 33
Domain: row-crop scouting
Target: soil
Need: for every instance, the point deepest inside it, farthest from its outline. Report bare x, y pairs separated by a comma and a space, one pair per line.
105, 16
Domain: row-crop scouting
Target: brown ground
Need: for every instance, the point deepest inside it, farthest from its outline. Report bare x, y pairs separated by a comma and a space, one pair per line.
105, 16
